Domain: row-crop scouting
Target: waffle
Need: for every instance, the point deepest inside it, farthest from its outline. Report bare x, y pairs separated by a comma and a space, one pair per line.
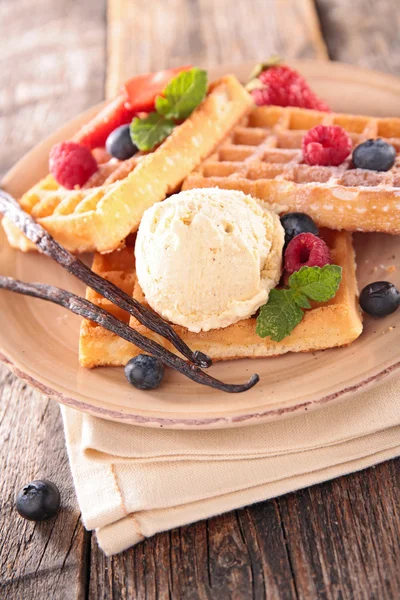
335, 323
100, 218
94, 341
261, 156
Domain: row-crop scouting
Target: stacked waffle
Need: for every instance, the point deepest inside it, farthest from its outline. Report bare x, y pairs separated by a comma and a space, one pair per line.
101, 218
225, 143
262, 156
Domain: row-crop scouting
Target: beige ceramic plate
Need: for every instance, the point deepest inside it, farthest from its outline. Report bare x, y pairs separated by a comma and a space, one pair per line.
39, 341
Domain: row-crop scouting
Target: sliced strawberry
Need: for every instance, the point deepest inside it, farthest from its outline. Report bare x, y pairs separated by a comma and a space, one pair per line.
114, 114
137, 95
140, 92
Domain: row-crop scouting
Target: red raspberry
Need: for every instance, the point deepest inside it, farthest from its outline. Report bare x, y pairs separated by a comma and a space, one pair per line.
71, 164
326, 145
306, 250
286, 87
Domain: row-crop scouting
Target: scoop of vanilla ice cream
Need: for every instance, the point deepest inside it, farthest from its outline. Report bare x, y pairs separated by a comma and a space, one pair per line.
207, 258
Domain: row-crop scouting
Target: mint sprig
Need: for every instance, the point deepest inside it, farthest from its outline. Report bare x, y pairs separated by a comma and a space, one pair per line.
285, 307
179, 99
147, 133
183, 93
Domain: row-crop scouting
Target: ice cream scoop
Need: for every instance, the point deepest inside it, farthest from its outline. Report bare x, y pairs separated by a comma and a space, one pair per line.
207, 258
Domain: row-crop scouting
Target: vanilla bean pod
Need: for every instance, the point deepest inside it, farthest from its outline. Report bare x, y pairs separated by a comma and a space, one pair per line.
84, 308
49, 246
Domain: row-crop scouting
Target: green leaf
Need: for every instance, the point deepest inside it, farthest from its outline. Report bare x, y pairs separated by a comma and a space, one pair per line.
150, 131
317, 283
279, 316
182, 94
284, 309
301, 300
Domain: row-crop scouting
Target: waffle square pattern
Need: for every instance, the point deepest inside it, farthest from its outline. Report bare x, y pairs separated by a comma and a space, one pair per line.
262, 156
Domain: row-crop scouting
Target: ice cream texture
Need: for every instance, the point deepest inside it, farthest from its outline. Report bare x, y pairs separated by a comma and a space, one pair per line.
207, 258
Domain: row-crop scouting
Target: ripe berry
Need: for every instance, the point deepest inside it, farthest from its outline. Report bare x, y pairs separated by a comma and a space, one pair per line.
326, 145
119, 143
295, 223
283, 86
144, 372
71, 164
375, 155
306, 250
38, 500
379, 299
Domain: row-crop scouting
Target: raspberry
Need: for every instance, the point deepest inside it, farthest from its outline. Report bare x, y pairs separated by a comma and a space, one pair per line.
286, 87
306, 250
326, 145
71, 164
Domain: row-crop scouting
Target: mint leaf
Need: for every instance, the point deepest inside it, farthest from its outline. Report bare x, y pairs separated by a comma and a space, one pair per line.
150, 131
279, 316
317, 283
182, 94
301, 300
284, 309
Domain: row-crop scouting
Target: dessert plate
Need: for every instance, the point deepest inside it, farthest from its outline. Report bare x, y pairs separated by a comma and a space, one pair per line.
39, 341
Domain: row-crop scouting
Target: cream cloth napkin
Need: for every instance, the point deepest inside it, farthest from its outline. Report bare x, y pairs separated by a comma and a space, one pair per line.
133, 482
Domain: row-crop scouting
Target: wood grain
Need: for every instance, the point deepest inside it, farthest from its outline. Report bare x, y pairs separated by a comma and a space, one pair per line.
51, 68
36, 557
362, 32
335, 540
143, 35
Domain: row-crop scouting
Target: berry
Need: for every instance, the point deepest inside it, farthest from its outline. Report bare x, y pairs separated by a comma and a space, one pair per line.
326, 145
71, 164
38, 500
144, 372
119, 143
283, 86
306, 250
375, 155
295, 223
379, 299
141, 91
114, 114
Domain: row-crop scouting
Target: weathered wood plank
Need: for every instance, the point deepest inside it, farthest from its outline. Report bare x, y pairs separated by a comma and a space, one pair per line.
362, 32
335, 540
36, 558
51, 68
238, 555
143, 35
342, 536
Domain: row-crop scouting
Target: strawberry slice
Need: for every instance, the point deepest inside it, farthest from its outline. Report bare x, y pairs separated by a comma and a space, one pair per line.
114, 114
140, 92
137, 95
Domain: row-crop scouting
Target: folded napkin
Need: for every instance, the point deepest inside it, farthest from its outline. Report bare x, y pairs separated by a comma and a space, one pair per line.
133, 482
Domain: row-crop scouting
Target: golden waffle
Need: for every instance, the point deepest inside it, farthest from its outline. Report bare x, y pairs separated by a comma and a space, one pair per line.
335, 323
118, 267
262, 157
100, 218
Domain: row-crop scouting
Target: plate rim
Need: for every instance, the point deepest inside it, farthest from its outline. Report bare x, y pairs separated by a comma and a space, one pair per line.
387, 80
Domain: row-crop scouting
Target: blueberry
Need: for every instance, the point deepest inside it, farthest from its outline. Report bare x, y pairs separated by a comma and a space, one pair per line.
119, 143
38, 500
375, 155
380, 298
295, 223
144, 372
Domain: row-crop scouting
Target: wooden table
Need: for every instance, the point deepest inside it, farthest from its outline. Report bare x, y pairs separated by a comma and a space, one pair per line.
336, 540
